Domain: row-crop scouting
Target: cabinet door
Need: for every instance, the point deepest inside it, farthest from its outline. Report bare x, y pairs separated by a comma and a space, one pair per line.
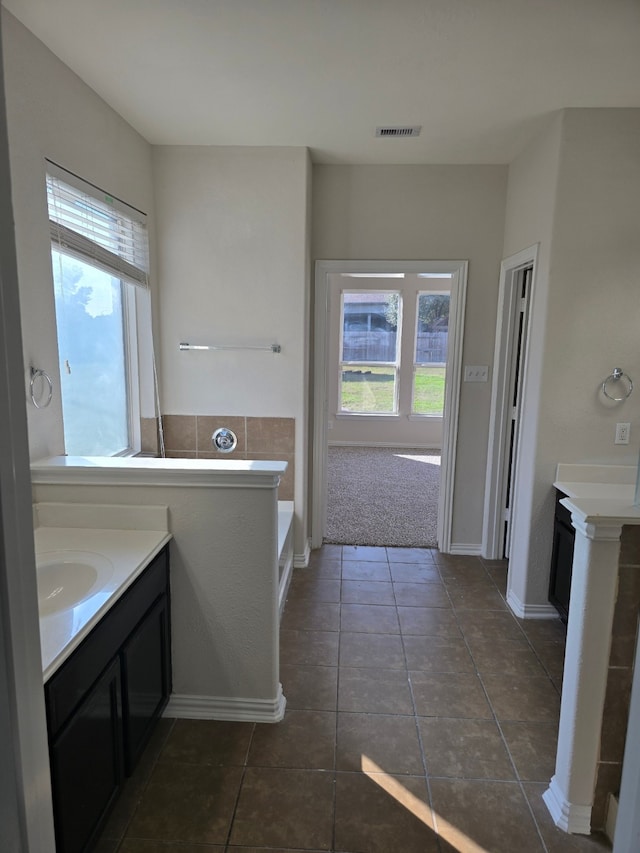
87, 764
561, 567
146, 668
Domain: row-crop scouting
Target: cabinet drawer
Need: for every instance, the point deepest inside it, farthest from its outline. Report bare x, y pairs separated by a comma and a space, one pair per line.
66, 688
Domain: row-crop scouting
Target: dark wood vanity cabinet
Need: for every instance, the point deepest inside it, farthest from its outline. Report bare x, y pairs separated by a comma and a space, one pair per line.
87, 762
146, 680
103, 703
561, 558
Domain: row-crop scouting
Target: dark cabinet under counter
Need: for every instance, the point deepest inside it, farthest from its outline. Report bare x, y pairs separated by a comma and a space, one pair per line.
561, 558
103, 703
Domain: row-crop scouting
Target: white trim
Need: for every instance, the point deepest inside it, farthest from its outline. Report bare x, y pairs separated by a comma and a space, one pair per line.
499, 431
301, 561
319, 448
25, 780
369, 416
530, 611
451, 405
462, 548
612, 818
458, 270
149, 471
188, 707
132, 364
567, 816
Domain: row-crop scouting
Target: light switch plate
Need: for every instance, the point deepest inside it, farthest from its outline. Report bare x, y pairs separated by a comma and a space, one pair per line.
476, 373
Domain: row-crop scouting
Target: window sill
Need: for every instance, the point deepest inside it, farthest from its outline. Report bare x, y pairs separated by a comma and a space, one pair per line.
424, 417
378, 416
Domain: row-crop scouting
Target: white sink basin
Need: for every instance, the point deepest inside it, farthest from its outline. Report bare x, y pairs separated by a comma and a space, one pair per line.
66, 578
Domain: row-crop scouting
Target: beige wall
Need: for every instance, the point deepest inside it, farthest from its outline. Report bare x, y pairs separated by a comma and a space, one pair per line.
583, 178
52, 113
428, 213
233, 269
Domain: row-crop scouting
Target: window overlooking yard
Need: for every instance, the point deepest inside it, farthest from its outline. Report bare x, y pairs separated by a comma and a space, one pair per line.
99, 255
369, 350
432, 329
93, 357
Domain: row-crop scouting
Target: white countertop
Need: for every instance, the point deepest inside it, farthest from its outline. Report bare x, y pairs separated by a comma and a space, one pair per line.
149, 470
599, 492
129, 550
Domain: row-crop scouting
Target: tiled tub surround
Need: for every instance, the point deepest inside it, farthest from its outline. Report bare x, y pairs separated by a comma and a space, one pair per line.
189, 437
601, 636
129, 537
224, 519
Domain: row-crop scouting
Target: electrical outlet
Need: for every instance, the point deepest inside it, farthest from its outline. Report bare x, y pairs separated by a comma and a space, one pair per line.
623, 432
476, 373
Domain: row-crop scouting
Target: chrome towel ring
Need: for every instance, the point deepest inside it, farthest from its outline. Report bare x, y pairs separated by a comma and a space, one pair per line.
40, 374
618, 376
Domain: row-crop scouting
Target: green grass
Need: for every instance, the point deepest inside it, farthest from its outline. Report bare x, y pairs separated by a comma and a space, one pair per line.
371, 391
428, 393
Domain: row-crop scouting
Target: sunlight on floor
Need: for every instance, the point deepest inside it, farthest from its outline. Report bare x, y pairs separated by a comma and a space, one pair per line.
429, 460
421, 810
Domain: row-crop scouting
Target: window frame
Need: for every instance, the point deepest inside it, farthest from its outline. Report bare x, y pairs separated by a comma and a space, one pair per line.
395, 365
129, 287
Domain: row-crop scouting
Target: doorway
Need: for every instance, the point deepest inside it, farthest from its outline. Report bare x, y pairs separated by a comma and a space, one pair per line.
346, 290
517, 277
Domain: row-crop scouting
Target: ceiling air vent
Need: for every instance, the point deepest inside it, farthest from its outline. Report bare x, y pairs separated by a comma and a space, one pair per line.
399, 131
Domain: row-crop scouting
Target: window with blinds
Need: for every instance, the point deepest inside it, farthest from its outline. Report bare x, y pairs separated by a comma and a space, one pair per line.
99, 252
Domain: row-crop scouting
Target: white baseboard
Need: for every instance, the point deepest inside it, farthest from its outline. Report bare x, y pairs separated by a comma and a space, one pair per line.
530, 611
612, 817
301, 561
567, 816
465, 549
184, 706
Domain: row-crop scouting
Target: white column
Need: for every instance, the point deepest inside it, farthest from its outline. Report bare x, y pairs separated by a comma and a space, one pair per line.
569, 796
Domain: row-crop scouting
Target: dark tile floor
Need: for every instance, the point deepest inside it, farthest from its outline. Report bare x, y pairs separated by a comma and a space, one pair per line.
421, 716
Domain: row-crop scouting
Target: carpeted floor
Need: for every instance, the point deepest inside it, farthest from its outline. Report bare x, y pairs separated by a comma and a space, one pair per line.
383, 496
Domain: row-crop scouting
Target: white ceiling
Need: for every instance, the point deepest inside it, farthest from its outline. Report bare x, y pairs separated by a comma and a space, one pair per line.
480, 76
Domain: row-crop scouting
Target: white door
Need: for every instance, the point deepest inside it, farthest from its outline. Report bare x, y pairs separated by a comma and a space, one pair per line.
522, 286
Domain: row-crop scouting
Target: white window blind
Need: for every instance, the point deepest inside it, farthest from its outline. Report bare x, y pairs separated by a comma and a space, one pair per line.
92, 225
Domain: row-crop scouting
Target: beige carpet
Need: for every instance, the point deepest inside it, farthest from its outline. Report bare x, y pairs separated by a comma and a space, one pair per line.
383, 496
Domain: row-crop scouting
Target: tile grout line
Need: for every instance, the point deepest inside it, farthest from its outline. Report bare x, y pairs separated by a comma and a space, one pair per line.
434, 820
518, 779
335, 746
240, 786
